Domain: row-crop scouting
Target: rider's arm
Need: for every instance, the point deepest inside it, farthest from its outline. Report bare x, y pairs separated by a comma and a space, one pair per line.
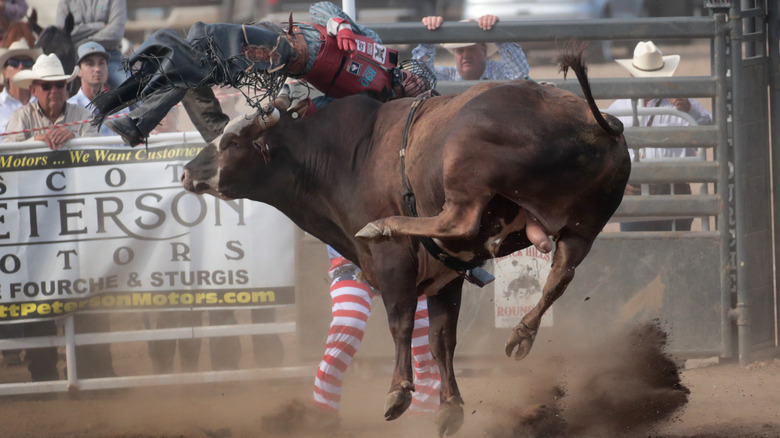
323, 11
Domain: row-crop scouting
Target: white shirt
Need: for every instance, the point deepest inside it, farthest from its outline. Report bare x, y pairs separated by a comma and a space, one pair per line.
701, 115
82, 100
8, 104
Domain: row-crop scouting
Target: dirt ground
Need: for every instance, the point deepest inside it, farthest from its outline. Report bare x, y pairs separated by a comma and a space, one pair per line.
590, 385
601, 386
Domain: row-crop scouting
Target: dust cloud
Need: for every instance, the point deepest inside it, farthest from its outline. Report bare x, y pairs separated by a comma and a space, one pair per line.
622, 384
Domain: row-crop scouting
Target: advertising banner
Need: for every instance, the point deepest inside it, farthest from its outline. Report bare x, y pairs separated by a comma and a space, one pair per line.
112, 228
520, 278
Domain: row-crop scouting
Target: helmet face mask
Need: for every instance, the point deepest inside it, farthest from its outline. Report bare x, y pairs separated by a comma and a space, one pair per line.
414, 78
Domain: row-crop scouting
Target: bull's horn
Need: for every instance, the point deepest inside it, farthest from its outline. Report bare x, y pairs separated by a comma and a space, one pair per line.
283, 99
268, 119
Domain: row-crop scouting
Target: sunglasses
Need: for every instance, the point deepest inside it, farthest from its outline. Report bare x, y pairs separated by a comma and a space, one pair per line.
15, 63
46, 86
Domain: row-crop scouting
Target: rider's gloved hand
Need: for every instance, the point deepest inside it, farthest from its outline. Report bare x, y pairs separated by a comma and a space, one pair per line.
341, 29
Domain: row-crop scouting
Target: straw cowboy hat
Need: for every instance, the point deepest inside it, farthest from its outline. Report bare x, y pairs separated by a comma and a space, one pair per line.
47, 68
17, 49
491, 48
649, 62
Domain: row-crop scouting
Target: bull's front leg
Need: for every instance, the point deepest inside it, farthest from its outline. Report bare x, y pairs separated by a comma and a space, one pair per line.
570, 251
443, 310
396, 277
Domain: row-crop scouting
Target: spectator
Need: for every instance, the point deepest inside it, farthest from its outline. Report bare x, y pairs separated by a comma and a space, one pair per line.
101, 21
17, 57
10, 11
648, 61
46, 81
471, 59
93, 72
92, 360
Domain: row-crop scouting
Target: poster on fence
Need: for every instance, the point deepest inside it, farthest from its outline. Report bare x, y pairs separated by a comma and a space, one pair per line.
112, 228
520, 278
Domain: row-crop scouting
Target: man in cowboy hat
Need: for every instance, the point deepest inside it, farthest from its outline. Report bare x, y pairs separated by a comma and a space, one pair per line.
471, 59
47, 81
17, 57
649, 62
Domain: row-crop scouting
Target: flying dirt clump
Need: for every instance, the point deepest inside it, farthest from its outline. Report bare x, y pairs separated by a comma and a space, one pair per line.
618, 386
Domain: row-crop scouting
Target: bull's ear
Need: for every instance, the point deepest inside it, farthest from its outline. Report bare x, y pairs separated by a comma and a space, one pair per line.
301, 108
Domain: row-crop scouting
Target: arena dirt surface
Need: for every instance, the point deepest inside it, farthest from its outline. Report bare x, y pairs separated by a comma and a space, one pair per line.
591, 385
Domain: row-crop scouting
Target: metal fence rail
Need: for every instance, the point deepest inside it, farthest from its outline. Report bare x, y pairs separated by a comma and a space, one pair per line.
713, 138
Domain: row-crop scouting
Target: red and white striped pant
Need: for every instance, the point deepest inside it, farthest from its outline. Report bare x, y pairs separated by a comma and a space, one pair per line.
351, 309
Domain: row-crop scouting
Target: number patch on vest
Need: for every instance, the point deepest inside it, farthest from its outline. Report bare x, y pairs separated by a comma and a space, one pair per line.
367, 77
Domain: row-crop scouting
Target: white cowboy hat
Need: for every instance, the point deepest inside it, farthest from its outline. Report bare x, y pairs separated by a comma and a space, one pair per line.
648, 61
17, 49
46, 68
491, 48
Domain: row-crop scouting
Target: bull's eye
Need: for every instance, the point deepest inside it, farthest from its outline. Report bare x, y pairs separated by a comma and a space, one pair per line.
225, 144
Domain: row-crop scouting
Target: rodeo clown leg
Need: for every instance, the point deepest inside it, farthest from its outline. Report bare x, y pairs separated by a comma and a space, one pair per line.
351, 308
166, 68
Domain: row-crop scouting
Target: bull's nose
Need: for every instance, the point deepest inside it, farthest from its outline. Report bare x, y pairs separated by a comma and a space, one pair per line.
186, 181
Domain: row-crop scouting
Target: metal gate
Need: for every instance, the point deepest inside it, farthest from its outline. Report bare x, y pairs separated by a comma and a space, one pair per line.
711, 289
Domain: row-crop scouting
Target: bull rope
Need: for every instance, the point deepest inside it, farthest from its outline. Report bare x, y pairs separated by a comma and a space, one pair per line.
472, 272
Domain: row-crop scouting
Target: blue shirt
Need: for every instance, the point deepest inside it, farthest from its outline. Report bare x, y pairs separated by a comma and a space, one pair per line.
83, 101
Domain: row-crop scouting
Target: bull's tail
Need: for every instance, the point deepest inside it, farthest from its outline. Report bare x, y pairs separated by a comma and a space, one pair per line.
572, 58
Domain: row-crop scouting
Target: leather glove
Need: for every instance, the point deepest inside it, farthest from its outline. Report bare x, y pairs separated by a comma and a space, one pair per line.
341, 29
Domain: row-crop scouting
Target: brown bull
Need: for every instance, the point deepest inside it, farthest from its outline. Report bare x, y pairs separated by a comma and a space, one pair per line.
494, 170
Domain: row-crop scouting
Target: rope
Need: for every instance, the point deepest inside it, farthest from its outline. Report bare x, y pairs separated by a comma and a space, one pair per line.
81, 122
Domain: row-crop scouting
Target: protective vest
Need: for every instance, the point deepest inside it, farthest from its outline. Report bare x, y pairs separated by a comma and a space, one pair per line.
337, 75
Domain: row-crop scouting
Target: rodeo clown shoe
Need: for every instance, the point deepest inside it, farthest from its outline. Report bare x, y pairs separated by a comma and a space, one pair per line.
334, 54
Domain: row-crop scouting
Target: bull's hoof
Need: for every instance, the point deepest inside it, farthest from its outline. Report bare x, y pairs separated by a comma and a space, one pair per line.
373, 231
522, 337
396, 403
450, 416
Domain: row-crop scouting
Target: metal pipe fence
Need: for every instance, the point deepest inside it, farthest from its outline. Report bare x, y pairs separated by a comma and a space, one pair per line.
713, 138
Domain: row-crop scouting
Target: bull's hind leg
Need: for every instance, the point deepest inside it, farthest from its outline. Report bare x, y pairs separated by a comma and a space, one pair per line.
570, 251
443, 312
456, 221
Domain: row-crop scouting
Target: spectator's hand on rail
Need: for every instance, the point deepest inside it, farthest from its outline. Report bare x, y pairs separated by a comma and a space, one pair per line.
682, 104
55, 138
432, 22
487, 21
